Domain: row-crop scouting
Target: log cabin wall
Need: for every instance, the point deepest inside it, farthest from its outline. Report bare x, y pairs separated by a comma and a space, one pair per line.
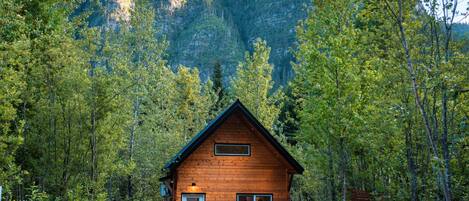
222, 177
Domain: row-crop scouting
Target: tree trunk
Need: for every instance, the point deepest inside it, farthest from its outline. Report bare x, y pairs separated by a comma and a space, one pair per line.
332, 187
418, 102
136, 112
444, 99
66, 149
411, 163
343, 168
444, 145
94, 163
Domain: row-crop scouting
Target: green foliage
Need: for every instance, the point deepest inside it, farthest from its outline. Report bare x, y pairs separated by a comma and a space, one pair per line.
335, 82
93, 105
359, 126
253, 85
92, 113
163, 109
14, 58
36, 194
218, 87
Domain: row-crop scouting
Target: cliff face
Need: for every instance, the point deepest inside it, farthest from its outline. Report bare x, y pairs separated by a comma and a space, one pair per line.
274, 21
202, 32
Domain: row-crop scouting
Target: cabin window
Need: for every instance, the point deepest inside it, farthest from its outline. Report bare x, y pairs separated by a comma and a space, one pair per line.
193, 197
253, 197
232, 149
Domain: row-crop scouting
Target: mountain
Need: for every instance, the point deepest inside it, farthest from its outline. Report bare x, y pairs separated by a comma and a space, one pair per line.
461, 31
202, 32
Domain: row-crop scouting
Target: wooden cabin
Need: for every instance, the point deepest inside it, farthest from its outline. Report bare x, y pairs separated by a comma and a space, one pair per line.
234, 158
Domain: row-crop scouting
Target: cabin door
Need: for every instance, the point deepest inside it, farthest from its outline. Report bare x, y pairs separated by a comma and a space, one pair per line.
193, 197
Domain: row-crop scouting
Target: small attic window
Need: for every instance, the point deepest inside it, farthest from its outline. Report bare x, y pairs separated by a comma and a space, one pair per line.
232, 150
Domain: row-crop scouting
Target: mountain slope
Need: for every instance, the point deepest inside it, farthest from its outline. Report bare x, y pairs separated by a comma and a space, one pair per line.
202, 32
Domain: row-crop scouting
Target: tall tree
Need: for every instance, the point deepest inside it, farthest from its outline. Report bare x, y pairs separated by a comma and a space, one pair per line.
343, 103
373, 100
218, 86
431, 61
253, 85
14, 60
65, 110
145, 58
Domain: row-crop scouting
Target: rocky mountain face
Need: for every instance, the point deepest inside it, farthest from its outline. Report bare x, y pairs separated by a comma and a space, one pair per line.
203, 32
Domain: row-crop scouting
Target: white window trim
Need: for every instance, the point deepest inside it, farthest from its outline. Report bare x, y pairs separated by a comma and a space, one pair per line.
225, 154
253, 196
184, 196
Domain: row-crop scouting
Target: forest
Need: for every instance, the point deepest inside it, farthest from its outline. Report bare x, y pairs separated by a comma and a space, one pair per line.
379, 101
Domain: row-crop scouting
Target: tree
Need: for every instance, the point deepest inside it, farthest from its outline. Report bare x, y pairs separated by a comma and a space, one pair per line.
163, 109
429, 73
144, 58
253, 85
65, 106
193, 99
14, 60
357, 102
218, 86
345, 125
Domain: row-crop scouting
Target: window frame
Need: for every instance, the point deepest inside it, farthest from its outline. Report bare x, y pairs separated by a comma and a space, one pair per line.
231, 144
188, 193
254, 195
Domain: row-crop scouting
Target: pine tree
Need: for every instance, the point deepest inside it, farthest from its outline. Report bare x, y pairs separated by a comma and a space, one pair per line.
218, 86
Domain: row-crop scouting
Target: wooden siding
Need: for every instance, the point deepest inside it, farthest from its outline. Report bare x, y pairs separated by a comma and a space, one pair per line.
222, 177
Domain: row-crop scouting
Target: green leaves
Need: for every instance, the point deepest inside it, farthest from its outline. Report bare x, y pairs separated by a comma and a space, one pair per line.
89, 113
340, 104
355, 103
253, 85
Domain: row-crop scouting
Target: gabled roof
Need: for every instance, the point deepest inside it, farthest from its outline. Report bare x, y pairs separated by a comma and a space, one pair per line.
198, 139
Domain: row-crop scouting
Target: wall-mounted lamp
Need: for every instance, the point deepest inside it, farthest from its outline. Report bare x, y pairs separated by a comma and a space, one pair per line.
193, 187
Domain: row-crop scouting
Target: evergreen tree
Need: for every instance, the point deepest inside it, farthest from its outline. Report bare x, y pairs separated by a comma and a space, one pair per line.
218, 86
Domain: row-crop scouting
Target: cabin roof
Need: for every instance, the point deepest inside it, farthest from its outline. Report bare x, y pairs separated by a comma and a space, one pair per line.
200, 137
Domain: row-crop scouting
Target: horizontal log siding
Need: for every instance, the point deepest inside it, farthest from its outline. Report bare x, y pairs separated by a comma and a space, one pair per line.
222, 177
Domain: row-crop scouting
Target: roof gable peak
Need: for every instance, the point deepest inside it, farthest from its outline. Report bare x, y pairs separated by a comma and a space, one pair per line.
200, 137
